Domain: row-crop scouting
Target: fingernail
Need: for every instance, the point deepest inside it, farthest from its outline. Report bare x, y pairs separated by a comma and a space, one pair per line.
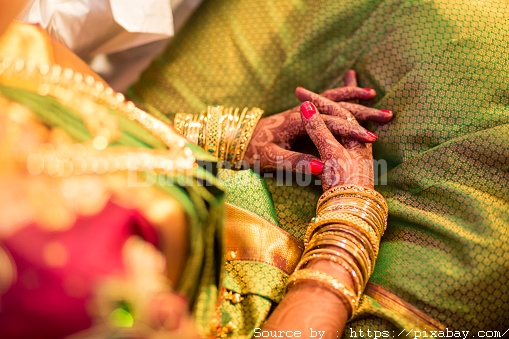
386, 111
373, 135
307, 109
368, 89
315, 167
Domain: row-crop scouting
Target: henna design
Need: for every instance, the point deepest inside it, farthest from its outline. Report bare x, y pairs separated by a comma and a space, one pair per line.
274, 135
351, 163
366, 113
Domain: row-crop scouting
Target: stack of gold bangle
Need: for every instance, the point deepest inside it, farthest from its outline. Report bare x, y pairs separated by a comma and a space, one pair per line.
347, 229
223, 132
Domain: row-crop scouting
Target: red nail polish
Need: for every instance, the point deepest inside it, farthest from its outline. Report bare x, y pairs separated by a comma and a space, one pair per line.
315, 167
307, 109
386, 111
373, 135
368, 89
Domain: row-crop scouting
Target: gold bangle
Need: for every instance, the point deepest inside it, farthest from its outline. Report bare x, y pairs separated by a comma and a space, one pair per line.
342, 218
223, 132
340, 253
202, 134
345, 243
349, 250
363, 279
178, 122
352, 270
356, 199
213, 133
239, 126
231, 130
355, 189
344, 293
365, 215
245, 134
358, 207
359, 233
360, 242
365, 206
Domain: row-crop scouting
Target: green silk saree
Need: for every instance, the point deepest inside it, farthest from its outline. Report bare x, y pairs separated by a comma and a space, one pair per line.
442, 68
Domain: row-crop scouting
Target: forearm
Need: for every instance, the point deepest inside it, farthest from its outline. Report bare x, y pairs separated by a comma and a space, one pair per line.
309, 308
341, 245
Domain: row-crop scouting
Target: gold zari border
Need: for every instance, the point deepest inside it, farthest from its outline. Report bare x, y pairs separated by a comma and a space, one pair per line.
251, 237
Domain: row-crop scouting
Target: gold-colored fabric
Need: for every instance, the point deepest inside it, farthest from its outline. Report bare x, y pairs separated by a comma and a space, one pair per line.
250, 237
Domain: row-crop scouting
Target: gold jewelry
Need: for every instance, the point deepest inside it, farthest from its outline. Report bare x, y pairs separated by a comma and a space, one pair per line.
355, 189
358, 199
213, 131
358, 205
345, 219
363, 205
350, 234
77, 159
223, 132
343, 256
245, 134
351, 269
326, 243
89, 98
353, 248
344, 293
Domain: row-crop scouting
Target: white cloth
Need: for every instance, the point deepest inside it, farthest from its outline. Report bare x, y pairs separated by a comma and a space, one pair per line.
91, 27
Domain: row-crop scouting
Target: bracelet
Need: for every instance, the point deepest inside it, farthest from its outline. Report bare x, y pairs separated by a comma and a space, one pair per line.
344, 293
356, 205
357, 189
352, 269
358, 201
357, 239
337, 240
338, 256
345, 219
325, 244
245, 134
223, 132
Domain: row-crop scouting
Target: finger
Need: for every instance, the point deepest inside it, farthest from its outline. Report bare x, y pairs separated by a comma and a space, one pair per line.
350, 78
339, 128
367, 113
324, 105
323, 139
339, 94
278, 158
346, 110
347, 129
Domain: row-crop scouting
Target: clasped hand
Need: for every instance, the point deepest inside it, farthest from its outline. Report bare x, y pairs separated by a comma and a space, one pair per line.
347, 161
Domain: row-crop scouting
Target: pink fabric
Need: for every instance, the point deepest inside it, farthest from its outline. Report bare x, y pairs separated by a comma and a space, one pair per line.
49, 302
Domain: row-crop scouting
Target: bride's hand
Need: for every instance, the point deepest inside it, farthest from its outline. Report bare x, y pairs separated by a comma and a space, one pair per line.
274, 135
349, 162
